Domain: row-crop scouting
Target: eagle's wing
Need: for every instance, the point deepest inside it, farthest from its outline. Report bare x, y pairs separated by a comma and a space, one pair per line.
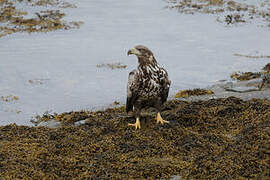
165, 84
132, 90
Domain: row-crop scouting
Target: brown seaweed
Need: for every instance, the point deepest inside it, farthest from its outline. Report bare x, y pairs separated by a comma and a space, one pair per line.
193, 92
229, 11
14, 20
215, 139
244, 76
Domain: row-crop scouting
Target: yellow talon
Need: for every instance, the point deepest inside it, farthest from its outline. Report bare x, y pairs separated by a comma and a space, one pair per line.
160, 120
137, 124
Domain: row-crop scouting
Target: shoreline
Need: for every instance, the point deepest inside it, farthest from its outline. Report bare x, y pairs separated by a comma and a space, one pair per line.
224, 135
208, 137
245, 90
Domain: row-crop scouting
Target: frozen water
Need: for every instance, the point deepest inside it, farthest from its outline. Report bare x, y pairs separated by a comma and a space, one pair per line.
195, 49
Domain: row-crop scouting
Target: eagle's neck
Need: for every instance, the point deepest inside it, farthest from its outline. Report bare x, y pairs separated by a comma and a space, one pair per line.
148, 65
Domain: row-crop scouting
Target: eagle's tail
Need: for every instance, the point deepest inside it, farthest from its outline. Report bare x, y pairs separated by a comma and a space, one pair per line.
129, 106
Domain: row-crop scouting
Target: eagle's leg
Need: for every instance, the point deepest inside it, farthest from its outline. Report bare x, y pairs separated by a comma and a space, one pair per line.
137, 125
160, 120
137, 113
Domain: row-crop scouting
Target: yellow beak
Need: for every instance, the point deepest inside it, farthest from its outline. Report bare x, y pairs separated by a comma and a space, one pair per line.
134, 51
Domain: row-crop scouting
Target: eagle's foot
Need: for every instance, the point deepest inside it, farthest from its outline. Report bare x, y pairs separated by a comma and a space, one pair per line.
160, 120
137, 125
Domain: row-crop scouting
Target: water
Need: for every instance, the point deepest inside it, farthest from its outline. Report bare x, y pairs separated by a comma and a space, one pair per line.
195, 49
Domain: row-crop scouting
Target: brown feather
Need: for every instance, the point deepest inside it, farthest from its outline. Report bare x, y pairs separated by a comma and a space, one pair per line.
151, 86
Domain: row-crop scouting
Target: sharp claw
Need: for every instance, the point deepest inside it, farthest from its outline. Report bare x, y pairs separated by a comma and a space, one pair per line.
160, 120
137, 125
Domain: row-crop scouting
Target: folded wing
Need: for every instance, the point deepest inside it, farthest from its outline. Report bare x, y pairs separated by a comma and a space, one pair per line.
132, 90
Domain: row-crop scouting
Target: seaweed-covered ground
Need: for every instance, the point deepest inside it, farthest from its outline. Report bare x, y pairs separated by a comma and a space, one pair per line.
245, 76
214, 139
34, 16
230, 12
193, 92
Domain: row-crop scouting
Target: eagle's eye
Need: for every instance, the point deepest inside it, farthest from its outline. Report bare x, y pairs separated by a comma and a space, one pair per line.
142, 51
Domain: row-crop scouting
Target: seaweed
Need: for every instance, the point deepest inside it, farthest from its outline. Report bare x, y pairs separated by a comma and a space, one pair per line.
13, 19
244, 76
9, 98
250, 56
112, 66
266, 67
193, 92
234, 18
231, 12
215, 139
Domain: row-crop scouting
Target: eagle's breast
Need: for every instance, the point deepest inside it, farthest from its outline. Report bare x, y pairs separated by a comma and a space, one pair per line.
151, 76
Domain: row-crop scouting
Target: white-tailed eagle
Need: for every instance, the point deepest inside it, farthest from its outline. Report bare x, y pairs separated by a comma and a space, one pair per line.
148, 86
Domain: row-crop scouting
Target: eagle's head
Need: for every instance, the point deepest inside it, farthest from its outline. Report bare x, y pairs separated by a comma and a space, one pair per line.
144, 54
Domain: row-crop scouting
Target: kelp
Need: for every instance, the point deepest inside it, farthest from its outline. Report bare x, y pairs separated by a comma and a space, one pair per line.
45, 19
193, 92
229, 11
214, 139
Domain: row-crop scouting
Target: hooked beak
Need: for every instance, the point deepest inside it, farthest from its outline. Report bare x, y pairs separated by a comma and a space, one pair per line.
134, 51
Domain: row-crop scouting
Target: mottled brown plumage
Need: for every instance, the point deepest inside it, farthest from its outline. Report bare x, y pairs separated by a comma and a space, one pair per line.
148, 86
